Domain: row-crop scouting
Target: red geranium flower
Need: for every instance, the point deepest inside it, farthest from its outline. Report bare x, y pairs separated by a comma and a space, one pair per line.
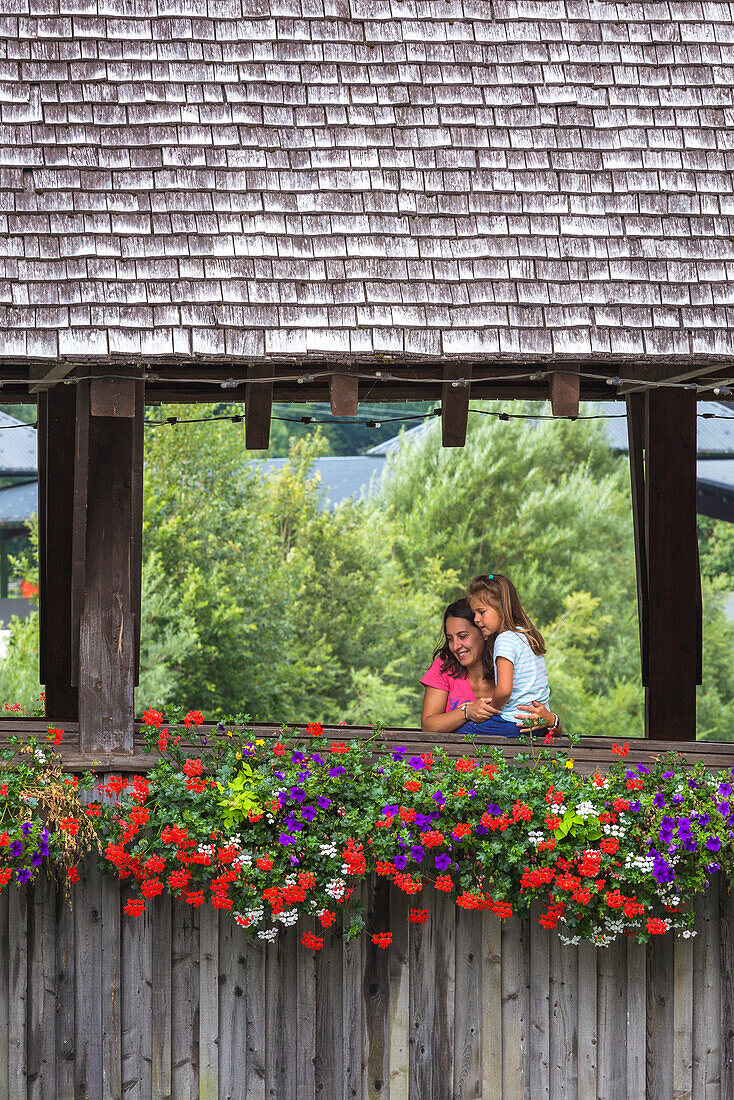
382, 939
315, 729
315, 943
153, 718
418, 916
135, 907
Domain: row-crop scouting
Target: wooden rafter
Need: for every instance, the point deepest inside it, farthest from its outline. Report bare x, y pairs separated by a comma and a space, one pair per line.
344, 393
455, 394
258, 408
565, 392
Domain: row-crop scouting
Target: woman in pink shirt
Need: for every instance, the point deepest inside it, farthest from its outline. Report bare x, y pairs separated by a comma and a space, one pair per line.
460, 681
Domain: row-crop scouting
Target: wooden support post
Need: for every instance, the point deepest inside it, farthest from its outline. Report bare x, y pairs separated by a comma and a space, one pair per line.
636, 436
344, 393
455, 404
565, 388
107, 510
672, 564
258, 409
56, 418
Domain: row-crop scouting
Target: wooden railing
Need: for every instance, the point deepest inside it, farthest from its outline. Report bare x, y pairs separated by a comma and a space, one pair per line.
590, 754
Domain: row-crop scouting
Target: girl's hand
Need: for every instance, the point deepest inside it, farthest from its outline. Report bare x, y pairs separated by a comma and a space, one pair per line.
481, 710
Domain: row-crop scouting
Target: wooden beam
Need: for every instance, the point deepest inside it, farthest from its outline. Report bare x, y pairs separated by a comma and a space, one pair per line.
636, 436
47, 377
258, 409
565, 392
672, 564
56, 417
455, 404
108, 628
113, 397
344, 393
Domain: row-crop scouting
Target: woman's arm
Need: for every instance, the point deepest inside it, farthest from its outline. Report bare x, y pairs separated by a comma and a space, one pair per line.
538, 711
436, 719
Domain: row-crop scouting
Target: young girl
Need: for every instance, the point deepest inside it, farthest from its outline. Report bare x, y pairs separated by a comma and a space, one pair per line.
460, 682
520, 673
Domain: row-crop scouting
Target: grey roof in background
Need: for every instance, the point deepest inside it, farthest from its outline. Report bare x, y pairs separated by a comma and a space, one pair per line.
18, 446
715, 436
343, 478
17, 504
250, 178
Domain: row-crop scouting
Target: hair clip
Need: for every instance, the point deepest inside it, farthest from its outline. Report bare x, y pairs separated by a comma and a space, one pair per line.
490, 576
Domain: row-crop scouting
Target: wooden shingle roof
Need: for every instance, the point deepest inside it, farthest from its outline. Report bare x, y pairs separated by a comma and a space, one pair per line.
254, 178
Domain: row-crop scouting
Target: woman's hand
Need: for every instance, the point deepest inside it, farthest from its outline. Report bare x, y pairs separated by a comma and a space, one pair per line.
481, 710
536, 711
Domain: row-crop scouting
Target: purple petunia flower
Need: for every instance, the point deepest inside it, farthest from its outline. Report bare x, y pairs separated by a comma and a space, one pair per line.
308, 813
713, 843
689, 844
298, 757
400, 862
668, 775
713, 867
422, 821
279, 775
317, 759
16, 849
725, 789
399, 753
37, 858
442, 862
26, 828
334, 772
416, 762
440, 797
284, 838
659, 799
643, 770
636, 806
23, 874
676, 799
417, 853
297, 794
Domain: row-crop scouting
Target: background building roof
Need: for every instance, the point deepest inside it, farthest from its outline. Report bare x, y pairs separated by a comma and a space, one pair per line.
18, 447
249, 178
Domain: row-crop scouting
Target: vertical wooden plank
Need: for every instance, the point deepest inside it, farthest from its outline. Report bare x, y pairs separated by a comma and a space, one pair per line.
376, 994
683, 1019
18, 972
612, 1022
88, 1072
468, 1013
539, 1030
636, 1031
111, 932
565, 388
344, 392
492, 1044
670, 504
455, 404
306, 1015
209, 1003
424, 994
185, 1001
56, 449
726, 931
636, 437
137, 1004
258, 408
329, 1064
107, 629
563, 1038
233, 1011
280, 1011
399, 970
65, 990
660, 1017
707, 996
160, 925
4, 990
352, 1026
79, 516
442, 929
254, 954
515, 1008
587, 1020
41, 1055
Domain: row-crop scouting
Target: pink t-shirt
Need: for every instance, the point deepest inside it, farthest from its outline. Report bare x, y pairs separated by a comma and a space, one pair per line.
459, 690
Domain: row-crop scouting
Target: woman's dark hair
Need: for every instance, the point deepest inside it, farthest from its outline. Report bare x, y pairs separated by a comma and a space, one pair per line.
461, 610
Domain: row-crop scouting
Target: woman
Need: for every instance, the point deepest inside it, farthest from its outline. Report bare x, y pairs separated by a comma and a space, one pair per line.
460, 681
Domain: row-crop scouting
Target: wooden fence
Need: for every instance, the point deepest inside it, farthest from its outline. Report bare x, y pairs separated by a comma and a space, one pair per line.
178, 1003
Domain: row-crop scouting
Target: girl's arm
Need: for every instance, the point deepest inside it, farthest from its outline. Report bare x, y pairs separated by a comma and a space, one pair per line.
436, 719
503, 687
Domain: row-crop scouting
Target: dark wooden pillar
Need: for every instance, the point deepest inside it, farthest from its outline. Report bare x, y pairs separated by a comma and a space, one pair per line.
107, 558
56, 433
663, 424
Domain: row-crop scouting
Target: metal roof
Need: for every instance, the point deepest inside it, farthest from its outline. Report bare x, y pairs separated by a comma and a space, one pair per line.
262, 178
18, 448
342, 478
17, 504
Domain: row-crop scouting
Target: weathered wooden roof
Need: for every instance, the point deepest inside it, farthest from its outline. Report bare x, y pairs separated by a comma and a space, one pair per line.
249, 178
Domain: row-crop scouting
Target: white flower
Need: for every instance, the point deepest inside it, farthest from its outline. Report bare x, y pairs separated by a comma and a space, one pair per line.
587, 809
287, 917
335, 889
687, 933
328, 850
568, 939
268, 934
535, 836
40, 756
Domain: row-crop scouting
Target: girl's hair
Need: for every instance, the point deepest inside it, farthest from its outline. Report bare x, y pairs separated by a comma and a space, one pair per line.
500, 593
460, 610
